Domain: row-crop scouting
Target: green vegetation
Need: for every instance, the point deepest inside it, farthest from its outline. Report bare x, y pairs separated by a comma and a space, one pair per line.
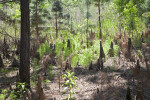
14, 94
4, 71
65, 35
69, 83
3, 94
18, 92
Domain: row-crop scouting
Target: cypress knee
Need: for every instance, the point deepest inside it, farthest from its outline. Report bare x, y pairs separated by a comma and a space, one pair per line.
111, 50
87, 43
128, 95
1, 62
5, 49
147, 66
102, 54
91, 66
100, 64
138, 66
142, 39
68, 44
68, 65
129, 44
139, 95
15, 63
39, 86
41, 95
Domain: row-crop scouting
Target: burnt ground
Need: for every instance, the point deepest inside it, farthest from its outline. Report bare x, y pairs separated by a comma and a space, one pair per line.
108, 84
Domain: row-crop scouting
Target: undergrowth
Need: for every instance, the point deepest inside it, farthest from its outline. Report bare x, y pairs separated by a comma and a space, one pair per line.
81, 53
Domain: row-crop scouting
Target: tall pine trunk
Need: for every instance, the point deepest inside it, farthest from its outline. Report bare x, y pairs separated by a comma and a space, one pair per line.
37, 22
24, 70
87, 20
56, 18
99, 12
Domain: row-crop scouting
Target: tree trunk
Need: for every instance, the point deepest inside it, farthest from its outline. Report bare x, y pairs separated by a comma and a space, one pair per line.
87, 25
71, 25
37, 26
24, 70
56, 25
87, 19
99, 12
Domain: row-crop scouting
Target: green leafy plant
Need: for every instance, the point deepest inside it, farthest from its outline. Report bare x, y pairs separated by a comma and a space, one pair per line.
44, 48
47, 81
139, 54
4, 71
69, 83
131, 16
35, 69
3, 94
18, 92
49, 71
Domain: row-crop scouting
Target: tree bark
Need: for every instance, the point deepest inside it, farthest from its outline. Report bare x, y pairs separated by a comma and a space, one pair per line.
87, 18
37, 22
56, 17
24, 70
99, 12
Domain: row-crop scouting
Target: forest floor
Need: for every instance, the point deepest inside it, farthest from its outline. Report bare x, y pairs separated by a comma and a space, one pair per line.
108, 84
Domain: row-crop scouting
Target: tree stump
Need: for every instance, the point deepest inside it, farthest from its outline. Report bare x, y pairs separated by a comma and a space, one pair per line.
39, 86
29, 95
68, 65
91, 66
147, 66
128, 95
142, 39
87, 43
91, 43
18, 47
147, 33
68, 44
139, 95
1, 62
5, 49
138, 65
100, 64
41, 95
129, 45
111, 50
15, 63
51, 46
102, 54
136, 70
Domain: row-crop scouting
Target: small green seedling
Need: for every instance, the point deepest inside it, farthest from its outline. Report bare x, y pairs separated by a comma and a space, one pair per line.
47, 81
139, 54
69, 83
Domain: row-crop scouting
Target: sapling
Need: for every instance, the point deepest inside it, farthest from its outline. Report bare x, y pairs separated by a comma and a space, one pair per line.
69, 83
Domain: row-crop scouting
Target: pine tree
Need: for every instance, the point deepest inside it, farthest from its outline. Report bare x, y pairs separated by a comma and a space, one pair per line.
88, 3
98, 4
39, 15
24, 69
57, 9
